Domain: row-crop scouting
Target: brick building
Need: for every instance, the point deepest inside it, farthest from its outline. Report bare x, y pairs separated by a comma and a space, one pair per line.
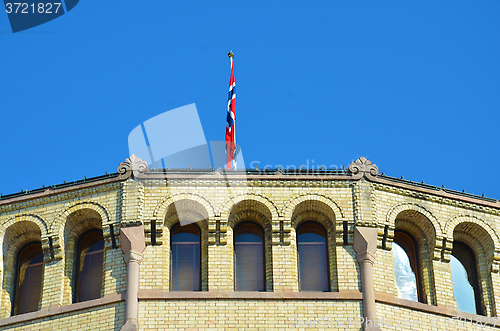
260, 250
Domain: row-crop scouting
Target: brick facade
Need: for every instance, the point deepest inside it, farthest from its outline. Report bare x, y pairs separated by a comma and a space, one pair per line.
279, 202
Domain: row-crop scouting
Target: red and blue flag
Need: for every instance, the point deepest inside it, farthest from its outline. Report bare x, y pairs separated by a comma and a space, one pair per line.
231, 119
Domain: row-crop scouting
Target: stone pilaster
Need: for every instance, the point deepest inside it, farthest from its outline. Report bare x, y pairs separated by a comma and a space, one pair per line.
133, 245
365, 246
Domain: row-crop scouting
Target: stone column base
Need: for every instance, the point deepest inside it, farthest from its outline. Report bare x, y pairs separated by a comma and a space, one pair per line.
131, 325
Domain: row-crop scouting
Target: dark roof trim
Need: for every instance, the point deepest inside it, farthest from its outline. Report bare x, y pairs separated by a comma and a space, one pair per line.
136, 168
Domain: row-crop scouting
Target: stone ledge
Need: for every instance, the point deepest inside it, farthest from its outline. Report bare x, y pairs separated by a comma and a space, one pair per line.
144, 295
246, 295
58, 310
438, 310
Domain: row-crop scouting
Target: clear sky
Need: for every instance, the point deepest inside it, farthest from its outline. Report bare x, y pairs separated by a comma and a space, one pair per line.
414, 87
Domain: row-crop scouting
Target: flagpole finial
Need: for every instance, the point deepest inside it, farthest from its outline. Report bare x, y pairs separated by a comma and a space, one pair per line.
230, 54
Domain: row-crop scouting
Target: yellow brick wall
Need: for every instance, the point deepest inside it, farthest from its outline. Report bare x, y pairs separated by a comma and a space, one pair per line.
154, 270
115, 272
109, 317
354, 202
383, 279
220, 266
398, 318
285, 273
348, 269
235, 315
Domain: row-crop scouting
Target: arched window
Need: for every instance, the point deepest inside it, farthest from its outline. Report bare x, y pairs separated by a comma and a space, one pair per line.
89, 261
185, 258
29, 279
465, 279
249, 266
312, 257
406, 266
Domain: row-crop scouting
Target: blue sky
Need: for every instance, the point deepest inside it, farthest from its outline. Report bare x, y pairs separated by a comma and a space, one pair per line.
411, 86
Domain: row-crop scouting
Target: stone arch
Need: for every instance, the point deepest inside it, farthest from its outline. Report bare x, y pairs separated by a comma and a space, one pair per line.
453, 222
228, 205
251, 210
25, 217
489, 242
479, 237
189, 209
291, 204
60, 222
71, 224
161, 207
420, 224
257, 211
16, 236
176, 209
321, 213
315, 216
396, 210
252, 216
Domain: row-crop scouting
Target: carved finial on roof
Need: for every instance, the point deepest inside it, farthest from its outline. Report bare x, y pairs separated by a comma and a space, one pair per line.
363, 167
132, 165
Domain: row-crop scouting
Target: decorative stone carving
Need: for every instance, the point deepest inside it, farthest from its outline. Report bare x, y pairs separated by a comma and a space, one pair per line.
132, 166
363, 167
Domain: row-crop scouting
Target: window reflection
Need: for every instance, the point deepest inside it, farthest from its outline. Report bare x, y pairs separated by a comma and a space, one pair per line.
406, 280
465, 279
464, 293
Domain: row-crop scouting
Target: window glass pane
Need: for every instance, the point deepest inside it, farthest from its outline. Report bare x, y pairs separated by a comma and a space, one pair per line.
249, 258
406, 281
312, 255
185, 259
463, 290
91, 267
30, 276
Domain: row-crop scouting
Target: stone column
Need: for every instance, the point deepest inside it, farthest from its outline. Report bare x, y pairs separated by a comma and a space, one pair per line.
133, 245
365, 246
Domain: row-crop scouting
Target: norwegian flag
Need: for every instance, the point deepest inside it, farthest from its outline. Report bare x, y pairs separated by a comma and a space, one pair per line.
231, 119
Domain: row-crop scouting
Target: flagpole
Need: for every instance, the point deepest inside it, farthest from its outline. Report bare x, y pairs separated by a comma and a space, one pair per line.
231, 55
232, 163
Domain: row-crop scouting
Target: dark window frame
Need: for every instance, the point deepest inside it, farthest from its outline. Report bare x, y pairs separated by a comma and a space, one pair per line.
16, 287
172, 234
78, 251
264, 264
327, 253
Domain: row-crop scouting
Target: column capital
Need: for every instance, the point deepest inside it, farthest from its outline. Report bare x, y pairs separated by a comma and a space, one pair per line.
363, 257
365, 241
132, 256
132, 239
